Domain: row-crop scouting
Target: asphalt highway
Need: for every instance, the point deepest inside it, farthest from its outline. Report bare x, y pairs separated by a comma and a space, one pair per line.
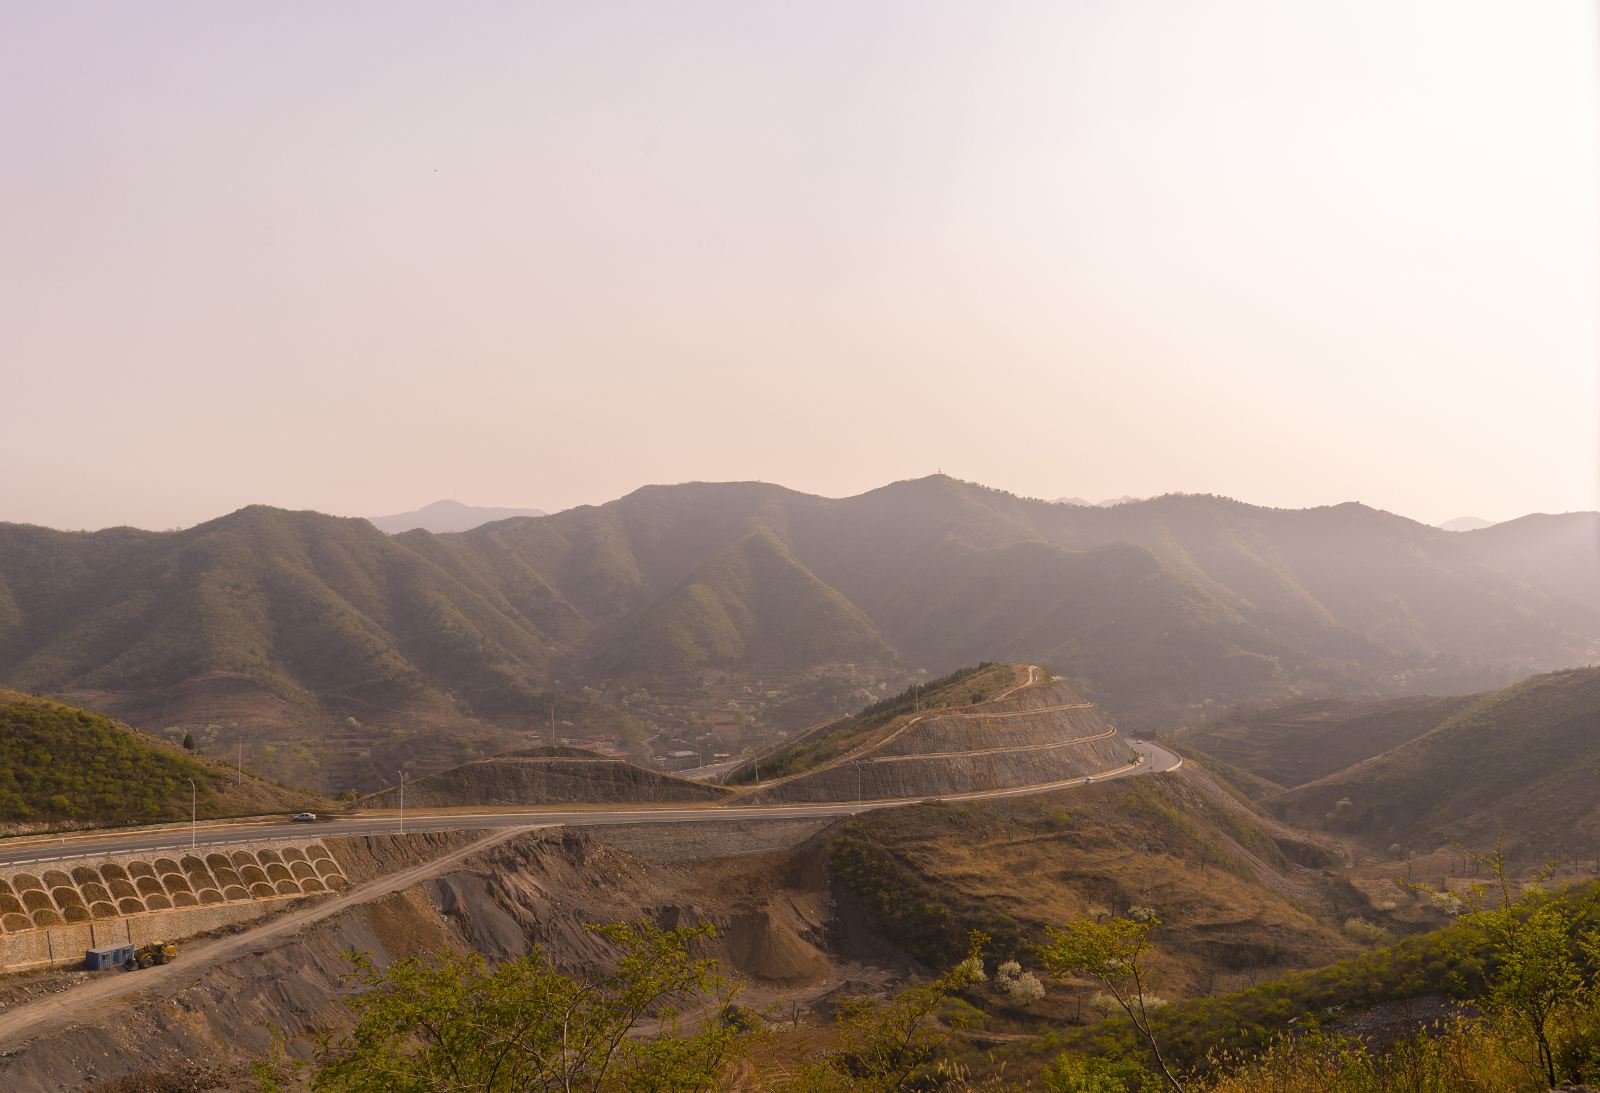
35, 850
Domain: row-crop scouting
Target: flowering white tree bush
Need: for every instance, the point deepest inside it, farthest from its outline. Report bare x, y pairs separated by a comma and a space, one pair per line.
1019, 986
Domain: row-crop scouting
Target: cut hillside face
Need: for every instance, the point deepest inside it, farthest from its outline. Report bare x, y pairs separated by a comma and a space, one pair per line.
823, 744
771, 913
1298, 742
1030, 734
540, 776
61, 766
1224, 879
1519, 762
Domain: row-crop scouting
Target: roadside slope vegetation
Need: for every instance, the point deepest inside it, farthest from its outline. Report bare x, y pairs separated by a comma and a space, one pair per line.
65, 766
993, 727
538, 776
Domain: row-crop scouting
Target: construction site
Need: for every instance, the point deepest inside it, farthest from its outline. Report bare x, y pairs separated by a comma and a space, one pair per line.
232, 948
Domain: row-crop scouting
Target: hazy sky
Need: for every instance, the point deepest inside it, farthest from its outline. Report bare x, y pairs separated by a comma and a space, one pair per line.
360, 256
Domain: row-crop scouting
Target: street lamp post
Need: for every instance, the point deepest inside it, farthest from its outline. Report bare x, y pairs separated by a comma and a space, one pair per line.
192, 821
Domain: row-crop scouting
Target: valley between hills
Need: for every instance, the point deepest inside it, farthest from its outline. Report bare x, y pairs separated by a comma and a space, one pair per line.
721, 616
827, 742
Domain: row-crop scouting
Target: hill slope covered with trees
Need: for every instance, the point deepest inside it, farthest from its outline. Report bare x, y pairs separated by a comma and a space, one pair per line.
1158, 610
64, 765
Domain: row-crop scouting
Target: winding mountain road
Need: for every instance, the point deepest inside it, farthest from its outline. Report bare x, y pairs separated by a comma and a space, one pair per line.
33, 850
45, 1015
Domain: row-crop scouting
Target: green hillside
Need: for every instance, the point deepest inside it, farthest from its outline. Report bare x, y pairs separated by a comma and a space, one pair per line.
1557, 554
310, 608
751, 603
1292, 743
1161, 610
1522, 761
1448, 962
60, 764
824, 743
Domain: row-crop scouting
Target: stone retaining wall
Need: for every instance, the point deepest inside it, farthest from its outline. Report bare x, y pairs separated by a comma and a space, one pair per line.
50, 912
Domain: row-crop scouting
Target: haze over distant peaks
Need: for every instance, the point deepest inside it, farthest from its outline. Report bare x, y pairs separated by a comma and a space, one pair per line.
1107, 503
1466, 523
444, 516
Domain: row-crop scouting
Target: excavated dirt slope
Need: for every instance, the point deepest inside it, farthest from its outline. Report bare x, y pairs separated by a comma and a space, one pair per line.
770, 903
544, 776
1044, 733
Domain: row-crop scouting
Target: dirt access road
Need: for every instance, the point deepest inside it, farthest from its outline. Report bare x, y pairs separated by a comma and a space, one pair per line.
39, 1017
37, 850
42, 851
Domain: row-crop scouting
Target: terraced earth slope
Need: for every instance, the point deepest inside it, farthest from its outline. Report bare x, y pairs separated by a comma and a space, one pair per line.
830, 740
538, 776
1033, 731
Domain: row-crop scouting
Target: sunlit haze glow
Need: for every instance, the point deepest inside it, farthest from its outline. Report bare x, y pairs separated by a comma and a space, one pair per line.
357, 257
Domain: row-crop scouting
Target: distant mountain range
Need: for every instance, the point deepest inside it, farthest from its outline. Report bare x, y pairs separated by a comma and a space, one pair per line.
446, 516
1466, 523
1107, 503
1160, 610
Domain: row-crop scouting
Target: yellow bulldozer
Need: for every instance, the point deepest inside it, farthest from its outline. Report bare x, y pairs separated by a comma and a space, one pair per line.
157, 952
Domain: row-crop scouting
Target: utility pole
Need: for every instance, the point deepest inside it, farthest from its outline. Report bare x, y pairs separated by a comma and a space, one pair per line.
192, 814
402, 802
552, 722
241, 760
858, 781
916, 697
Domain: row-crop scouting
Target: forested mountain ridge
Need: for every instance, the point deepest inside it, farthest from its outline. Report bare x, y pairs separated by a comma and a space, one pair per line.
1153, 607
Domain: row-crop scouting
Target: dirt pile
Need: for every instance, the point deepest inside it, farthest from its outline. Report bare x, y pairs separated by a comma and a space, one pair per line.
545, 776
